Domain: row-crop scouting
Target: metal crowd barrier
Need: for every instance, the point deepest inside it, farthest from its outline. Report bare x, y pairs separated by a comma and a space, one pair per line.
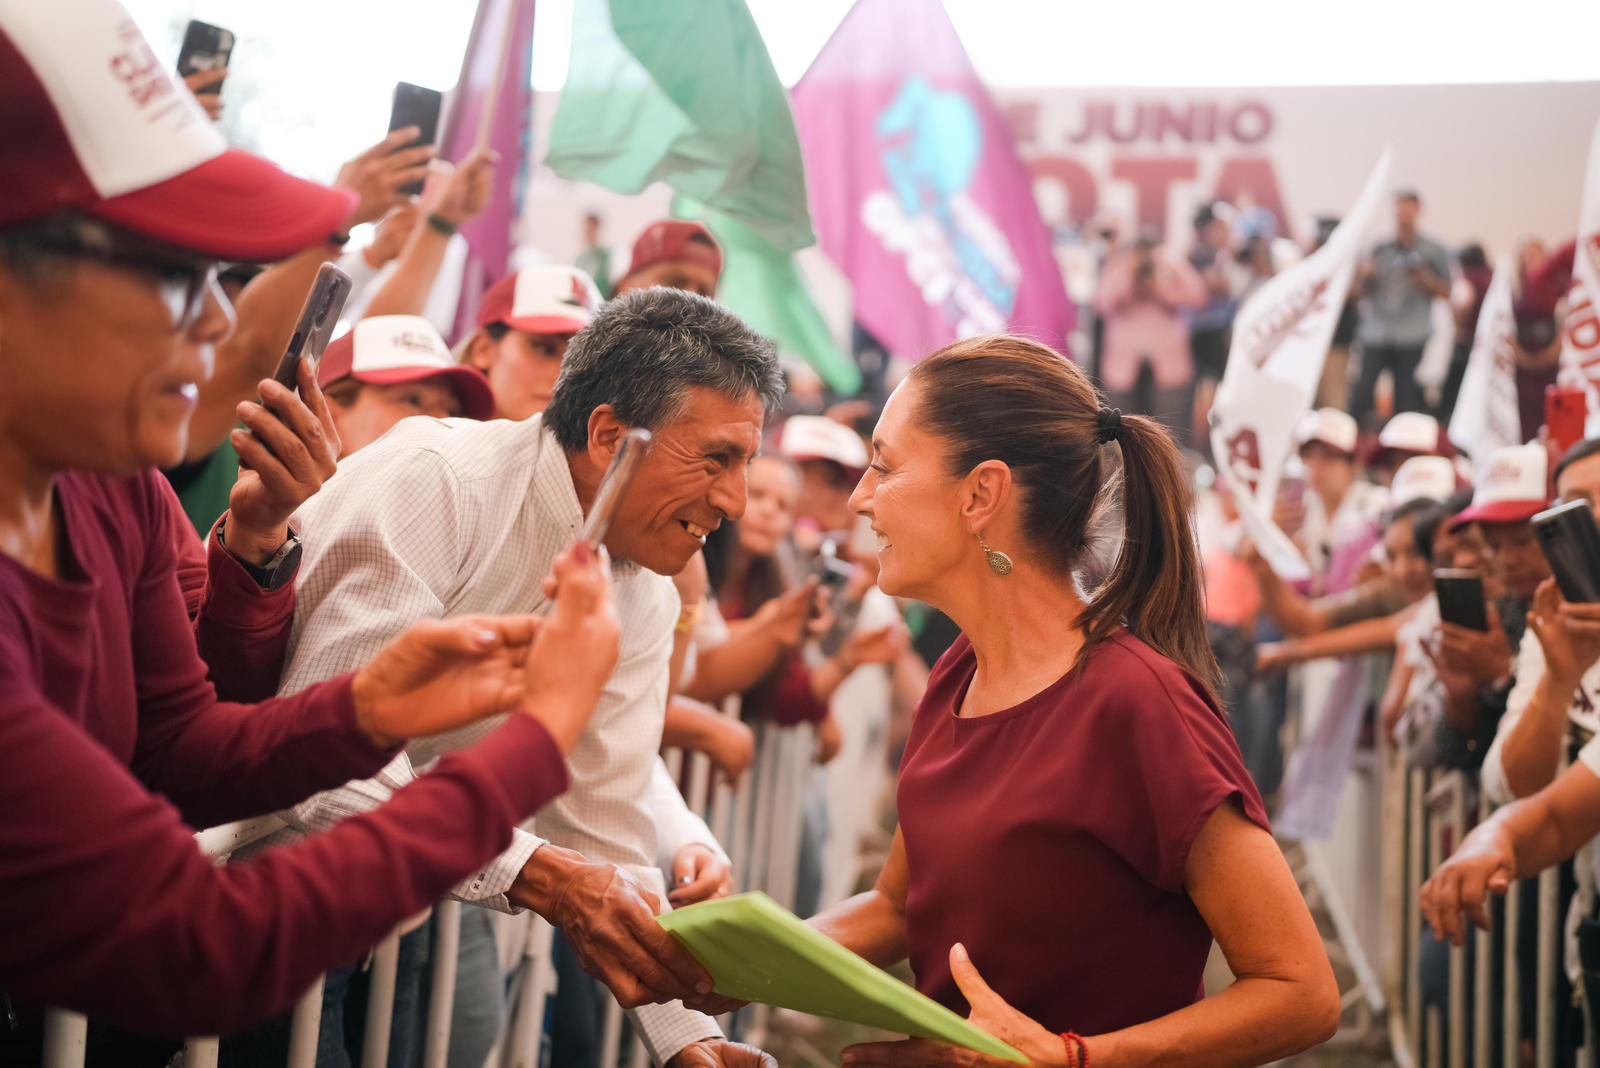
1481, 1020
758, 823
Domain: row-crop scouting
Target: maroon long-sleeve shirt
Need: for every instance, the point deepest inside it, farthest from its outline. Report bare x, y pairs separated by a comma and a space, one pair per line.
107, 905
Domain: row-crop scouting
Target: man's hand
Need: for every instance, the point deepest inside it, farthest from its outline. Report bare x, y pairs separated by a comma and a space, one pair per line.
442, 674
785, 616
698, 874
609, 919
720, 1053
378, 175
1569, 634
990, 1013
1484, 863
205, 79
466, 192
290, 449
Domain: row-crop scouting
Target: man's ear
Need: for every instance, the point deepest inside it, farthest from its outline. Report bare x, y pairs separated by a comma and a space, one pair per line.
605, 436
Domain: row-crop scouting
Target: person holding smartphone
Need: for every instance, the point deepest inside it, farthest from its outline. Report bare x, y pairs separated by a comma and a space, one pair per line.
1477, 668
444, 518
117, 747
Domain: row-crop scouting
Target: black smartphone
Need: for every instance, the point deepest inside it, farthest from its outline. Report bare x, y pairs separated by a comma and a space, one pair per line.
1461, 598
416, 105
1571, 542
832, 573
618, 477
318, 316
205, 47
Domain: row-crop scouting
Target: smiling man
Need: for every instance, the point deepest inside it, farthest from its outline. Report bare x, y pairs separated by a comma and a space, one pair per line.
442, 518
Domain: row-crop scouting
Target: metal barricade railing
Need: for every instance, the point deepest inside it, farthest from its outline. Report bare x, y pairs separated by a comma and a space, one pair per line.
758, 822
1471, 1027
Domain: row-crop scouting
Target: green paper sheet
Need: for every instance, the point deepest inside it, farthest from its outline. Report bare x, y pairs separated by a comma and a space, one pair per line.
756, 950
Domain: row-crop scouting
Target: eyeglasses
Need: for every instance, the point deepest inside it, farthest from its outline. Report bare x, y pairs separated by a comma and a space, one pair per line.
182, 281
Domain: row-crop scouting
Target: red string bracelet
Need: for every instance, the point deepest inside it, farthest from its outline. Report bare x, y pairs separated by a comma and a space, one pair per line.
1077, 1050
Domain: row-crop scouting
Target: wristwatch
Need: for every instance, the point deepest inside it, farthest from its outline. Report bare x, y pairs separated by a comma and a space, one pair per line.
279, 570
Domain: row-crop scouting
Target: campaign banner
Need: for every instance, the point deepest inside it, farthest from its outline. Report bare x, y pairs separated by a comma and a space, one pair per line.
1486, 416
1580, 332
917, 191
1280, 341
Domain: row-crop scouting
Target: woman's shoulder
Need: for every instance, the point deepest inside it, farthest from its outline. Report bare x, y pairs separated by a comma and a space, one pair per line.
1140, 682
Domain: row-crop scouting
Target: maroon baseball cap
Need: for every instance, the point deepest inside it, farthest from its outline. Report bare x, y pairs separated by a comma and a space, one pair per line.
676, 241
94, 122
389, 350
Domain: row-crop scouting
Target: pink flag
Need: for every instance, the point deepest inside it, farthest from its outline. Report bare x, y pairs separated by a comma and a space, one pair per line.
917, 192
495, 87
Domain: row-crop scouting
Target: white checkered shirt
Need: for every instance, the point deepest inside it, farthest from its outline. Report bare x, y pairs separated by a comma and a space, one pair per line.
452, 517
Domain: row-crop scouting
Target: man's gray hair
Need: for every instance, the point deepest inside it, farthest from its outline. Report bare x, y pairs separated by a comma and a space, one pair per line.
645, 351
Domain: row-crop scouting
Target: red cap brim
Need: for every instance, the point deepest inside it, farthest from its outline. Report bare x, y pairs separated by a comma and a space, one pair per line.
1498, 512
545, 324
473, 390
235, 207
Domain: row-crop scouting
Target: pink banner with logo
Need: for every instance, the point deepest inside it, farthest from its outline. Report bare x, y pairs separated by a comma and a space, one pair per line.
495, 84
917, 191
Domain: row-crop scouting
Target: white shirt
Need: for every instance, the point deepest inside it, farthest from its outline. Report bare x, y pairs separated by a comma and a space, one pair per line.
449, 517
1582, 720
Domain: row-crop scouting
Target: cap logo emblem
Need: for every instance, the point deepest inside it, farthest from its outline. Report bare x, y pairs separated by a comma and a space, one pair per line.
140, 71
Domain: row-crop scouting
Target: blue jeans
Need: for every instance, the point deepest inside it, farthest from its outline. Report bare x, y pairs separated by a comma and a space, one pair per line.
344, 1018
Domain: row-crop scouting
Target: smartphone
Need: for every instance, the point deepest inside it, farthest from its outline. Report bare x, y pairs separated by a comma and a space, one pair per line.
205, 47
1566, 410
1461, 598
1571, 542
318, 316
832, 574
635, 443
416, 105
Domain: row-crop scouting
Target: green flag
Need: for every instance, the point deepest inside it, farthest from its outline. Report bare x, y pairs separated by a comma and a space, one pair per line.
684, 94
765, 288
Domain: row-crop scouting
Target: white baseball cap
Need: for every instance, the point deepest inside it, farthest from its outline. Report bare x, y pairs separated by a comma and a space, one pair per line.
1512, 486
816, 437
1410, 434
394, 349
93, 121
544, 298
1331, 427
1431, 478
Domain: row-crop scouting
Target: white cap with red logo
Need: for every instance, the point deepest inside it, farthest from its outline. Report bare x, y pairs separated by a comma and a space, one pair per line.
815, 437
94, 122
1330, 427
544, 298
1512, 486
394, 349
1431, 478
1413, 432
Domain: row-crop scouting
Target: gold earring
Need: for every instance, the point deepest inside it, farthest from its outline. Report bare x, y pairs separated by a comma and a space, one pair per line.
998, 561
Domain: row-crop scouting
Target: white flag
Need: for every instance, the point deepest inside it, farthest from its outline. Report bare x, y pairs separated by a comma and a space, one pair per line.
1580, 346
1486, 416
1280, 342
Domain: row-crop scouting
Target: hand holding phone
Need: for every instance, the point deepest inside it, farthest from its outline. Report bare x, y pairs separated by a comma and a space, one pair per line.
1570, 540
314, 329
614, 486
419, 106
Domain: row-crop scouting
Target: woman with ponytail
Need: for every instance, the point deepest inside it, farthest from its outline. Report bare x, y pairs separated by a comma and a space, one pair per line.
1076, 821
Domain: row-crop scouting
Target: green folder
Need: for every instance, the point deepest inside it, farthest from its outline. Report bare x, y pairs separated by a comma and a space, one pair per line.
756, 950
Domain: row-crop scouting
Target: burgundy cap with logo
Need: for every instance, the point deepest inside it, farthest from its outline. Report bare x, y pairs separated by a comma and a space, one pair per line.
676, 241
544, 298
93, 122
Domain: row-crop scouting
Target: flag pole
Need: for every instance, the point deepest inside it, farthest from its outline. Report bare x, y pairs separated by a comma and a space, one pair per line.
486, 118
